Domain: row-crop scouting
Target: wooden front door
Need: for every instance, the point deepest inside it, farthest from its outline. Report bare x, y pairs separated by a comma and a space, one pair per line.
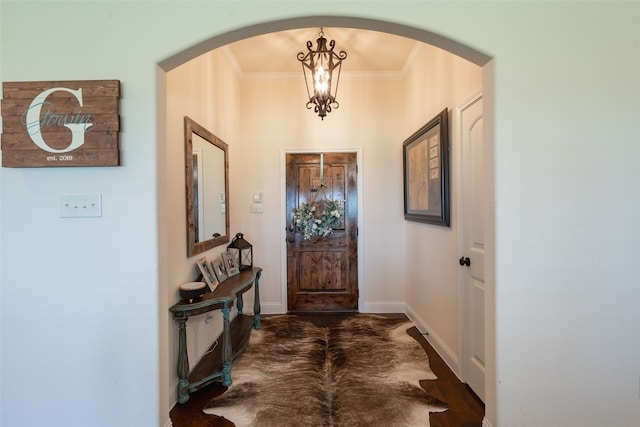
322, 272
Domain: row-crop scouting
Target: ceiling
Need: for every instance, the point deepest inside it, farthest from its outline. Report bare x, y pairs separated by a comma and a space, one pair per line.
367, 51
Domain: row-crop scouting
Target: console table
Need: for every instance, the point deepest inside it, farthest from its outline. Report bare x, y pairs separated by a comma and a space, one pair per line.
216, 365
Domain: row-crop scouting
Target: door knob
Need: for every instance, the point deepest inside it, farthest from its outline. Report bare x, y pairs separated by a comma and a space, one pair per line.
465, 261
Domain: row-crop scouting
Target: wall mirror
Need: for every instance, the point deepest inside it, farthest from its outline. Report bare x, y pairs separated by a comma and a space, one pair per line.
207, 188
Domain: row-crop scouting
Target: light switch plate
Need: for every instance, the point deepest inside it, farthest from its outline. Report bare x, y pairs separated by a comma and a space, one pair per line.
80, 205
257, 208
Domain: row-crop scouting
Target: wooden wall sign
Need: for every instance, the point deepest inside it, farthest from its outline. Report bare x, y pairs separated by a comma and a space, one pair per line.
63, 123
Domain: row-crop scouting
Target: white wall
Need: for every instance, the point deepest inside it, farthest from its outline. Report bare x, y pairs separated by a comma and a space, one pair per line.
565, 121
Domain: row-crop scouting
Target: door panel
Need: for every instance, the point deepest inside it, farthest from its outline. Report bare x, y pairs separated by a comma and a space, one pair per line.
322, 272
473, 350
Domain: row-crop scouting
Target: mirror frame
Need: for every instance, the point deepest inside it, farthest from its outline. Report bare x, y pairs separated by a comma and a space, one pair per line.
191, 127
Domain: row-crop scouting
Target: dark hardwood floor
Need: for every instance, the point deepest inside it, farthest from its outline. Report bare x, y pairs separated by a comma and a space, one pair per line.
465, 409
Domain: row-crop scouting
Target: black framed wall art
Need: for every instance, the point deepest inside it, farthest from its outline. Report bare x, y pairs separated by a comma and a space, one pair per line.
426, 172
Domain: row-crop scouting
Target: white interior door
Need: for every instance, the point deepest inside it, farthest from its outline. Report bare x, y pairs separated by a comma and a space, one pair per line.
472, 257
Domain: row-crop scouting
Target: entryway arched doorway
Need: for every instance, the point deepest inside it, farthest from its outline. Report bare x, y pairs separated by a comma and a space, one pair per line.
367, 24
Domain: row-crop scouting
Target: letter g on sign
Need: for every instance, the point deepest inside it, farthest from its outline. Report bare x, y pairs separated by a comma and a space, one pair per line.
77, 129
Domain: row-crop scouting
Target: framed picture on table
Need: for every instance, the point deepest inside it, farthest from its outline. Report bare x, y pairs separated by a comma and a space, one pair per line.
230, 263
207, 273
219, 270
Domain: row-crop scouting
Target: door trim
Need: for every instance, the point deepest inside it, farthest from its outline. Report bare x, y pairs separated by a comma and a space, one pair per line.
283, 220
474, 97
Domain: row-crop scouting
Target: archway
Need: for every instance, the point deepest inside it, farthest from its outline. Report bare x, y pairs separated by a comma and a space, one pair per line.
425, 36
449, 45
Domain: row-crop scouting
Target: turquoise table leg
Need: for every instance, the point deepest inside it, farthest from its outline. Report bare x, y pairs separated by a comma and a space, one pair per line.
226, 348
240, 304
183, 362
256, 304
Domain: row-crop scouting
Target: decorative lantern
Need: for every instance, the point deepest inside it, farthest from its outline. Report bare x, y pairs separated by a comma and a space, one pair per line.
242, 251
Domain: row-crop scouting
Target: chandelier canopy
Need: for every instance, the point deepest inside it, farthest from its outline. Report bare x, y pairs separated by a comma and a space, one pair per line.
321, 69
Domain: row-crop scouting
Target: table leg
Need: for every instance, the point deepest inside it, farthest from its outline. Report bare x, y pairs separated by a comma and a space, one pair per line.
183, 362
256, 304
240, 304
226, 347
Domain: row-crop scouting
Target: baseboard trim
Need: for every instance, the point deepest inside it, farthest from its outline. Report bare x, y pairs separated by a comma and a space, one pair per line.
173, 394
271, 308
486, 423
448, 355
382, 307
367, 307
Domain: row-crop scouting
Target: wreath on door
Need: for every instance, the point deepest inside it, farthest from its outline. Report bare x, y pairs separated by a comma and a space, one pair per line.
317, 218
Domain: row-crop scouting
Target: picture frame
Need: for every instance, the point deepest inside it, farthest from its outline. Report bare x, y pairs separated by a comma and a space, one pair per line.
230, 263
207, 273
426, 172
219, 270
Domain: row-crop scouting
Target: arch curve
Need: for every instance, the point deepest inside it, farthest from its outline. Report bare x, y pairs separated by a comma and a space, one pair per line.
466, 52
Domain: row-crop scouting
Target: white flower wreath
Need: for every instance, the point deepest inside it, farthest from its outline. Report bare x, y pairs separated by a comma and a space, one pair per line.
311, 223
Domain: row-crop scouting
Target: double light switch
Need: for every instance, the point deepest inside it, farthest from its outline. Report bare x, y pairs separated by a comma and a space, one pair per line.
256, 206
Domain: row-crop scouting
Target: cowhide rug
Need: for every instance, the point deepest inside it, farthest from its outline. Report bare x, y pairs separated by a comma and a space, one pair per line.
364, 371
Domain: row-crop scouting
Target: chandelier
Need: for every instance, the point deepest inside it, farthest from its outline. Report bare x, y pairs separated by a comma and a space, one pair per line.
321, 69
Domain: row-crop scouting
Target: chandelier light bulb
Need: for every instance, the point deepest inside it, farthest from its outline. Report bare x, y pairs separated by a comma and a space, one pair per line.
322, 80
